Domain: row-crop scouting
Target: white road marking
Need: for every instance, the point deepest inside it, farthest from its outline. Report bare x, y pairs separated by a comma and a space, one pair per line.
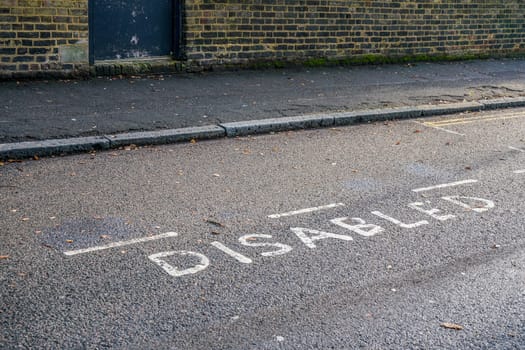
451, 184
121, 243
488, 204
175, 272
283, 248
362, 228
306, 210
432, 212
302, 234
399, 223
517, 149
439, 128
522, 171
237, 256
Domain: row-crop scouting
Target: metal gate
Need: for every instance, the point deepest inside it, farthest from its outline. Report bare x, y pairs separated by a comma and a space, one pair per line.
132, 29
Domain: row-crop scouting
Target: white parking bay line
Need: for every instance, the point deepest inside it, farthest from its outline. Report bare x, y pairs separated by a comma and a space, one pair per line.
451, 184
522, 171
121, 243
517, 149
306, 210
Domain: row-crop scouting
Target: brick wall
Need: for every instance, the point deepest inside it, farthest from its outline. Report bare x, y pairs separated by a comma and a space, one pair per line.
43, 36
52, 35
234, 31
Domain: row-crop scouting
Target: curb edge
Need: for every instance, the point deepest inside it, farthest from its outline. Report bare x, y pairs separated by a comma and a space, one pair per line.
28, 149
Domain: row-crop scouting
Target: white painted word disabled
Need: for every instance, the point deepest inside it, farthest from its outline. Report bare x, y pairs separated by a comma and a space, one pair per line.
309, 236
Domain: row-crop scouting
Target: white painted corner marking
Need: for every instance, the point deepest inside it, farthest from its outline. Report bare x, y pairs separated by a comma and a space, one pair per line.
121, 243
451, 184
306, 210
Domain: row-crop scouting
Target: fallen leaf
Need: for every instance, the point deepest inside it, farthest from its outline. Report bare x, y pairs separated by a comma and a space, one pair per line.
104, 236
52, 217
35, 157
449, 325
69, 241
468, 168
417, 131
398, 143
216, 175
25, 219
3, 257
193, 141
246, 151
213, 222
215, 233
38, 232
1, 163
96, 217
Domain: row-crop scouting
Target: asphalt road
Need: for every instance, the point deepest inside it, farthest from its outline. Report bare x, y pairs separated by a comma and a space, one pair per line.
379, 236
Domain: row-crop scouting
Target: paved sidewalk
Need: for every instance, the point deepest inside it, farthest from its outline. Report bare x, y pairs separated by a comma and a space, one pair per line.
44, 110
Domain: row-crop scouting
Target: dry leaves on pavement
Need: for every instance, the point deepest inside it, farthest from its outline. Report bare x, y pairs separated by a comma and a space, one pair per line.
449, 325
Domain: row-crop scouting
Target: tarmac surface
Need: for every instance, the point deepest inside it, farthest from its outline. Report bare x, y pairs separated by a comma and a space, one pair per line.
404, 234
392, 235
43, 110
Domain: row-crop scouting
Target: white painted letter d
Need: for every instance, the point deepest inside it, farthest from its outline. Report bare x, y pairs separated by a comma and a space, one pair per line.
174, 271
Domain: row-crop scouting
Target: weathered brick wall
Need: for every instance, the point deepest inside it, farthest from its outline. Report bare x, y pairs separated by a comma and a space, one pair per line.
235, 31
43, 35
52, 35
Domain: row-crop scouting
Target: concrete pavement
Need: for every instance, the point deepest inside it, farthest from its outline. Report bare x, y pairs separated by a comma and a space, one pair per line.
55, 117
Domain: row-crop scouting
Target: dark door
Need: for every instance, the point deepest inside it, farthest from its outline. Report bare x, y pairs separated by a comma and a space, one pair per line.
124, 29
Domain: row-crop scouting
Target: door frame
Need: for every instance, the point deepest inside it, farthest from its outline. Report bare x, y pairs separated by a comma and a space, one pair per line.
177, 30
